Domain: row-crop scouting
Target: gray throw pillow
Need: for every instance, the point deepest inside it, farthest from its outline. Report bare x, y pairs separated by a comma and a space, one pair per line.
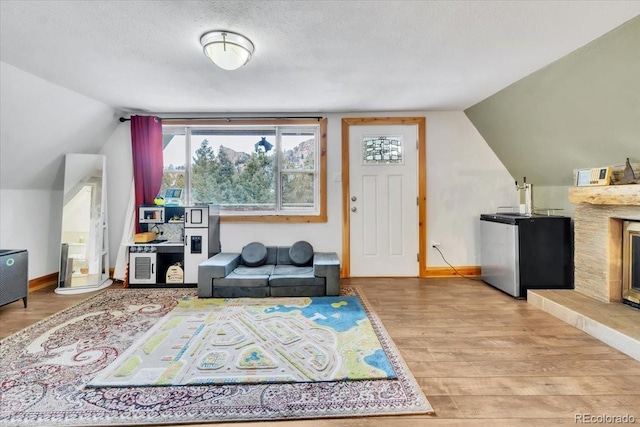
301, 253
254, 254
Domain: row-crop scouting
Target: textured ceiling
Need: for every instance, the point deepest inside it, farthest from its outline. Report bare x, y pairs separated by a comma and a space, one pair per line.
325, 56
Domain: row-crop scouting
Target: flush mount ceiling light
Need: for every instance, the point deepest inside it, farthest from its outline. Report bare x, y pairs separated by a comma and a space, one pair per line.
227, 50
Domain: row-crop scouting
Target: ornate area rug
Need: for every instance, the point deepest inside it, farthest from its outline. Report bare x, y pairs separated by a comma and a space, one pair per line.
46, 369
253, 340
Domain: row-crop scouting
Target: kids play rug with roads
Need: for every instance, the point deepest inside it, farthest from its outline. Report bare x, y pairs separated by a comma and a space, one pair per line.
158, 356
253, 340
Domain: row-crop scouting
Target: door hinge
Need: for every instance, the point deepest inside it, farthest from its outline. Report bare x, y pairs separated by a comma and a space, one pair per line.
418, 257
417, 144
417, 201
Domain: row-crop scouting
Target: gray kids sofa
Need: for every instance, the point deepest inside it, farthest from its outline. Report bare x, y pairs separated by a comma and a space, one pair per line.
261, 271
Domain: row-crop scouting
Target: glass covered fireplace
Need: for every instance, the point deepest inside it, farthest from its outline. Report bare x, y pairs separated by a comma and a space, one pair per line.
631, 263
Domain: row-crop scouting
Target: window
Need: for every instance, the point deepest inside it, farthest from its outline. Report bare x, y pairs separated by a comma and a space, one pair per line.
263, 171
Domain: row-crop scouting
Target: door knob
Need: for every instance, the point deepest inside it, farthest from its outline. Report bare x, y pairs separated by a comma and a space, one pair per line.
354, 198
353, 209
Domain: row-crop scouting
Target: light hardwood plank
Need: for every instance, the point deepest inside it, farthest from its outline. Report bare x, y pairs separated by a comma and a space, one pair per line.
480, 356
530, 386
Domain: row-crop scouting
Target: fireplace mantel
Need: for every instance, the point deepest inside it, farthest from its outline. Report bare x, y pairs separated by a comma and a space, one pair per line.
628, 195
598, 221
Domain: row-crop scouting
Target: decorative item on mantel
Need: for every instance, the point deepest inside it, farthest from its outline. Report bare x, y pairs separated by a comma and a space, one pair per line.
620, 190
629, 176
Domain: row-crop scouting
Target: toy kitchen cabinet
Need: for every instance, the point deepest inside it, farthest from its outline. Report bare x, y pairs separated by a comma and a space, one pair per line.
184, 237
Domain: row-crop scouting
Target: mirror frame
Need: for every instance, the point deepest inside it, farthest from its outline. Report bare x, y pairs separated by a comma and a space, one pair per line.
84, 171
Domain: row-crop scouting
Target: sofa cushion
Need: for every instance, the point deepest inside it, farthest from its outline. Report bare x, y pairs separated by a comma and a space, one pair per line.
292, 276
242, 292
218, 266
298, 291
301, 253
272, 255
245, 276
242, 282
245, 270
254, 254
292, 270
283, 256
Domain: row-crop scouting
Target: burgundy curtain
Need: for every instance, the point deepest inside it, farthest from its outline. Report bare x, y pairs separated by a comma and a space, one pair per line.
146, 146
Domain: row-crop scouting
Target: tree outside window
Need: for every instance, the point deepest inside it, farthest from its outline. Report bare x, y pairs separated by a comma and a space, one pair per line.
248, 171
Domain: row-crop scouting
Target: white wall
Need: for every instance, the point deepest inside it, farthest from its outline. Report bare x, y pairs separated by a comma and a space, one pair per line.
464, 179
32, 220
39, 123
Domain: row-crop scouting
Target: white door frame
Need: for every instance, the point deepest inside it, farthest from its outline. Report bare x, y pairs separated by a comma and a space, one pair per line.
422, 186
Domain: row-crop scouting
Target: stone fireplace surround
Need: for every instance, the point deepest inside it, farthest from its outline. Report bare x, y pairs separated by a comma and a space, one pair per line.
594, 305
598, 219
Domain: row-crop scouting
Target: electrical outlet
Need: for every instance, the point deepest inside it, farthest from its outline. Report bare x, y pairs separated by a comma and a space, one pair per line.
435, 243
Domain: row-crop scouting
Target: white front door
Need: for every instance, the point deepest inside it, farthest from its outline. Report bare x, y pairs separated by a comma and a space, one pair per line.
383, 197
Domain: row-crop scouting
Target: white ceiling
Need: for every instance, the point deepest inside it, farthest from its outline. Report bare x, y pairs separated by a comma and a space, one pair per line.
311, 56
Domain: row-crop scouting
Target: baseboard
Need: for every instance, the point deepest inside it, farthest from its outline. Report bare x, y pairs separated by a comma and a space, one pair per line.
50, 279
468, 271
43, 281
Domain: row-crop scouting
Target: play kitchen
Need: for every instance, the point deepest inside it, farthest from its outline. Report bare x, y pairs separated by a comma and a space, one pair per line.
172, 242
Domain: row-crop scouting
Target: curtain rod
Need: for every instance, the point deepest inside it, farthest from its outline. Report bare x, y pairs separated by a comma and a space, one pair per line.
123, 119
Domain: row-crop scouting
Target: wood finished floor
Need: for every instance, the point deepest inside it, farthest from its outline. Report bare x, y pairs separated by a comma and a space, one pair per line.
480, 356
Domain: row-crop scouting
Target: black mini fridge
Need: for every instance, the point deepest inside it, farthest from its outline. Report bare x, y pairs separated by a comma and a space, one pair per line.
520, 252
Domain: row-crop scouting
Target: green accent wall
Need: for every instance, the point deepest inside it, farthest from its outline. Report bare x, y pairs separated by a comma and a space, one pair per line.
581, 111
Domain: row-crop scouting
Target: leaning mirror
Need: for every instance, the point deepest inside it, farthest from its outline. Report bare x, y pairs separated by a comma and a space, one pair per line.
84, 255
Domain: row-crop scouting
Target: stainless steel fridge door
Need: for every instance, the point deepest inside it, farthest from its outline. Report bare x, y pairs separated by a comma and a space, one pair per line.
499, 256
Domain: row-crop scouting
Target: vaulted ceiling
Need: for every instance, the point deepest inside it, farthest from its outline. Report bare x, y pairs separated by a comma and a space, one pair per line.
582, 111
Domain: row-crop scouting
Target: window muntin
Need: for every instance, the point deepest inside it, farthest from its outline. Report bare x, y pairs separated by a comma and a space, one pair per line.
298, 159
249, 170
